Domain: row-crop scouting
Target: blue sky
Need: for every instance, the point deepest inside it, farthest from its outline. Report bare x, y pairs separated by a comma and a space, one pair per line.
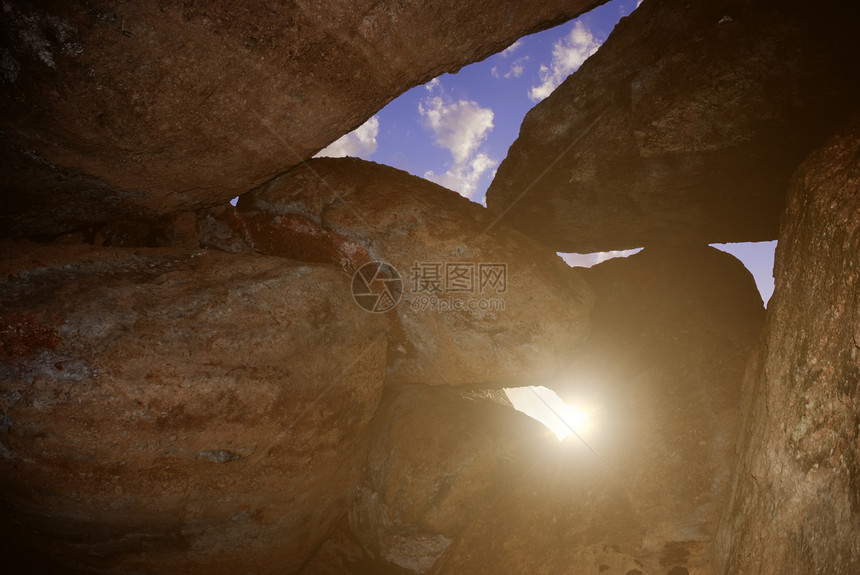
456, 129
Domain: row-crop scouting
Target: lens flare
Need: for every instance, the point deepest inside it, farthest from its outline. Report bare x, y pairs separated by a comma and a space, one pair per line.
546, 406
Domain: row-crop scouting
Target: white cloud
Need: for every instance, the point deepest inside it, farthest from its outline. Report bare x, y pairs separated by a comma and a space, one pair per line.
568, 54
588, 260
460, 127
512, 48
464, 177
361, 142
516, 69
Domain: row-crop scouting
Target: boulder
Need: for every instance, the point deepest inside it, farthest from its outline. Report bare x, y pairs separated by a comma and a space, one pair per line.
457, 486
342, 554
685, 126
481, 304
659, 378
436, 460
176, 412
222, 228
795, 505
132, 110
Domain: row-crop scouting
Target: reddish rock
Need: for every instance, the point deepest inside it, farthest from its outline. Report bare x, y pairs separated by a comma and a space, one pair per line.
24, 333
173, 230
222, 228
168, 411
795, 505
511, 318
684, 127
133, 110
179, 230
295, 236
128, 234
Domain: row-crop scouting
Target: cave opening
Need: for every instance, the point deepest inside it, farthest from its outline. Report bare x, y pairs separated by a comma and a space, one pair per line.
544, 405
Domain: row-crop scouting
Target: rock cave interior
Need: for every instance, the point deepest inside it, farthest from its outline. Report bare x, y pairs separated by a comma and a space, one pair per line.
429, 288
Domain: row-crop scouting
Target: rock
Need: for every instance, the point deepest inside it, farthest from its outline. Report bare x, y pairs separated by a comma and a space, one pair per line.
166, 411
173, 230
179, 230
342, 554
436, 460
129, 111
222, 228
795, 503
127, 234
684, 127
512, 316
659, 377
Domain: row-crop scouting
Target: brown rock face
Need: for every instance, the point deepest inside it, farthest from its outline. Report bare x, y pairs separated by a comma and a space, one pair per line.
685, 126
660, 376
436, 460
222, 228
481, 303
453, 486
132, 110
176, 412
342, 554
795, 505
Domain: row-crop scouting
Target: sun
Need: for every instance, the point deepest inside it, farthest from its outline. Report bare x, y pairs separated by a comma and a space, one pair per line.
546, 406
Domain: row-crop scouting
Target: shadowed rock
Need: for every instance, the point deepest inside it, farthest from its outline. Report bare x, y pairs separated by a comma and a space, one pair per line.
660, 377
133, 110
795, 505
175, 412
436, 461
453, 486
342, 554
685, 126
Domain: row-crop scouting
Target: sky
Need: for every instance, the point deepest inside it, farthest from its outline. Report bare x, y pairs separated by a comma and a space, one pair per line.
456, 129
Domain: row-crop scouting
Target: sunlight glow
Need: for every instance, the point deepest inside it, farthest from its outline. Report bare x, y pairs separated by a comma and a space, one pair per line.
546, 406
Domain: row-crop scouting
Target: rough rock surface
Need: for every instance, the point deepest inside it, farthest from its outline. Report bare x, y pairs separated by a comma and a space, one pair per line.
513, 316
466, 487
126, 110
436, 459
660, 378
178, 412
685, 126
222, 228
342, 554
795, 504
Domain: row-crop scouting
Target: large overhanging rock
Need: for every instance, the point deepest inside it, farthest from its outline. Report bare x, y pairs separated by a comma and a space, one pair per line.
685, 126
796, 486
170, 412
113, 110
482, 304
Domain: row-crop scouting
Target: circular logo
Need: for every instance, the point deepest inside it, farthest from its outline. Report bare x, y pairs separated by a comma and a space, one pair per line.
377, 287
